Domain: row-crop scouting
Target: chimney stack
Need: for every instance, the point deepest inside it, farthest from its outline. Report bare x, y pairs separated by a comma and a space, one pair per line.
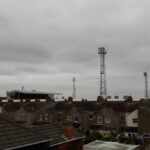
68, 131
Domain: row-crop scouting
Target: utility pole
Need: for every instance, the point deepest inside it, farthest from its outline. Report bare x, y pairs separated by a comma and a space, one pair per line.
103, 88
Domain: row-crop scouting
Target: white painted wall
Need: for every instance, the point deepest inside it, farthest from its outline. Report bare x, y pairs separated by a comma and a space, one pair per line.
129, 118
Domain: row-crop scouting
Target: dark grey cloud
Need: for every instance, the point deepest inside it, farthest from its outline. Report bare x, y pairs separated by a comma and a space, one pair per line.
23, 52
43, 44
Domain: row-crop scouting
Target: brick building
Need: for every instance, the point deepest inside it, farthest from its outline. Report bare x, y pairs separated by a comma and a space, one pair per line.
144, 118
29, 113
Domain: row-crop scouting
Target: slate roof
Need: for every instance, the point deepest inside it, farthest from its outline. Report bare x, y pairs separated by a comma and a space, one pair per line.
88, 105
81, 106
117, 106
146, 107
34, 106
13, 136
132, 106
55, 132
63, 105
29, 106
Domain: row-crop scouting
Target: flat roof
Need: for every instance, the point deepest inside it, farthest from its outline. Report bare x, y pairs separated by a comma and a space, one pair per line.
103, 145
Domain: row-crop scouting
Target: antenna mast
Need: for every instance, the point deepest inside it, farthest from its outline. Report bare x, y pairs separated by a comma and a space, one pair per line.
103, 88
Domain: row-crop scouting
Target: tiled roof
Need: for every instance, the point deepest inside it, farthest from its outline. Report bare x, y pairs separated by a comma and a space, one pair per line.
13, 136
55, 132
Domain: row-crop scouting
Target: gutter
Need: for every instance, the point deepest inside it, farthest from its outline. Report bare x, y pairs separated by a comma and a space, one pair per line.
67, 141
25, 145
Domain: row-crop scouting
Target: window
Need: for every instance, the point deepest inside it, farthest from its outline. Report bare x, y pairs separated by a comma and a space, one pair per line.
18, 116
91, 117
76, 119
46, 116
69, 118
146, 135
107, 120
60, 116
134, 120
41, 117
99, 120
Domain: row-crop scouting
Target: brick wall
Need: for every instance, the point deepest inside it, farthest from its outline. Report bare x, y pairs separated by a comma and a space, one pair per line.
144, 121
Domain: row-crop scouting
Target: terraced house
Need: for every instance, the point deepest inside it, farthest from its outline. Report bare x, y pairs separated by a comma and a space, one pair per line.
103, 115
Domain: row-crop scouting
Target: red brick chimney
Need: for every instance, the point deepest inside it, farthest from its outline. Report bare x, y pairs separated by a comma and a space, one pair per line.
70, 99
68, 131
129, 99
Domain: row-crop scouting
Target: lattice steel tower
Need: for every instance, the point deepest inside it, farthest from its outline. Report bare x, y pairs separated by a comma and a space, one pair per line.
146, 85
103, 87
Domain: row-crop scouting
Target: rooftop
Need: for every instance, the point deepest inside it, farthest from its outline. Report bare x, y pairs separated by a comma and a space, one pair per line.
55, 132
102, 145
14, 136
118, 106
28, 92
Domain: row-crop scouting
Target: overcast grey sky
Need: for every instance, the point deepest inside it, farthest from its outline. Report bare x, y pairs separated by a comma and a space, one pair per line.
44, 43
